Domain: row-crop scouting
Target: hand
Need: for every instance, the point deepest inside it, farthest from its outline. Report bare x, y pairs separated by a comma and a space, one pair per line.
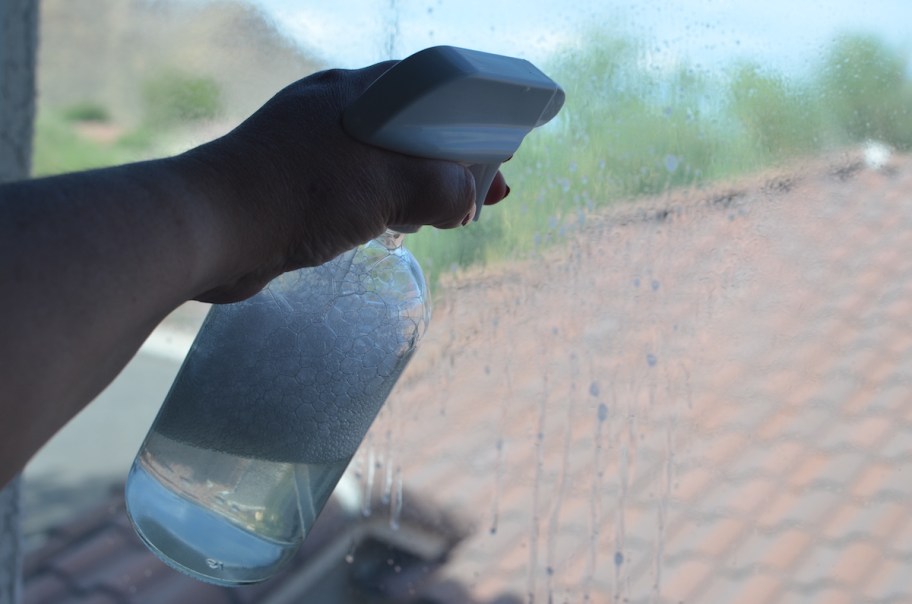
301, 190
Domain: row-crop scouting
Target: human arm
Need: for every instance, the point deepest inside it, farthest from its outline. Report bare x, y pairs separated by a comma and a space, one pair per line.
91, 262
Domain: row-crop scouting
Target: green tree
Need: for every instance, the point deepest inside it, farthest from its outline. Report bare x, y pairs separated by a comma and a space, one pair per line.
647, 124
866, 89
779, 118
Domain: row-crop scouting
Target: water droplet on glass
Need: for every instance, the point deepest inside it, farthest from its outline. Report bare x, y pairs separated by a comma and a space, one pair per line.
618, 558
671, 163
594, 389
602, 412
395, 508
655, 285
651, 359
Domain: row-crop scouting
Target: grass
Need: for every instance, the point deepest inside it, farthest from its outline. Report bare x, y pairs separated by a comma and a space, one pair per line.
59, 147
172, 100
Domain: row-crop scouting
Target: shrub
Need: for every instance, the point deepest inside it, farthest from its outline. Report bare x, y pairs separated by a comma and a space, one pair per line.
778, 117
173, 97
866, 90
86, 111
58, 148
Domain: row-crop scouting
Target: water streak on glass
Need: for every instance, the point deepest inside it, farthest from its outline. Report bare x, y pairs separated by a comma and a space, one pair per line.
535, 529
555, 516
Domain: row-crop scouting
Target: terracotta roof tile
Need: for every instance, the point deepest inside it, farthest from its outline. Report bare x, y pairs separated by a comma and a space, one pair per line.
45, 587
95, 597
96, 551
771, 434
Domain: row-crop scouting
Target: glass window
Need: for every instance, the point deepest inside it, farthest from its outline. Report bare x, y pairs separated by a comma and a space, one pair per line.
673, 366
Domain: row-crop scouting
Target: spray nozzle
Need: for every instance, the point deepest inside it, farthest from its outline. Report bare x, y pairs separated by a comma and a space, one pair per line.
455, 104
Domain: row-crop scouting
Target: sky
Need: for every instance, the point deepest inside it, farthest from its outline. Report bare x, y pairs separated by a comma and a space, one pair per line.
785, 34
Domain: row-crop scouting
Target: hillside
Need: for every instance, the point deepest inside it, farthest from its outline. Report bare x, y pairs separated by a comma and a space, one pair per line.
103, 51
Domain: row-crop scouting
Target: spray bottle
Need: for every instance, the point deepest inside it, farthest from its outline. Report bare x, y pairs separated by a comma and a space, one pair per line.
278, 391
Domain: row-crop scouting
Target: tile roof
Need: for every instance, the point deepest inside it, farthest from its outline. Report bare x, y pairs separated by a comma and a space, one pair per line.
700, 397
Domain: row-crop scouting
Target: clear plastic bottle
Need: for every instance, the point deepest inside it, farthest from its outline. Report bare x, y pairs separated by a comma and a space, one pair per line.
235, 469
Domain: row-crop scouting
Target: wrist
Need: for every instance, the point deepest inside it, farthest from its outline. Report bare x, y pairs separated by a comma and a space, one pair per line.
241, 250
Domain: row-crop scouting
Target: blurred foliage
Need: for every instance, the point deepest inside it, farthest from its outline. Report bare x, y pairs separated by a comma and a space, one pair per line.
59, 147
632, 126
778, 118
87, 111
442, 251
866, 90
174, 97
